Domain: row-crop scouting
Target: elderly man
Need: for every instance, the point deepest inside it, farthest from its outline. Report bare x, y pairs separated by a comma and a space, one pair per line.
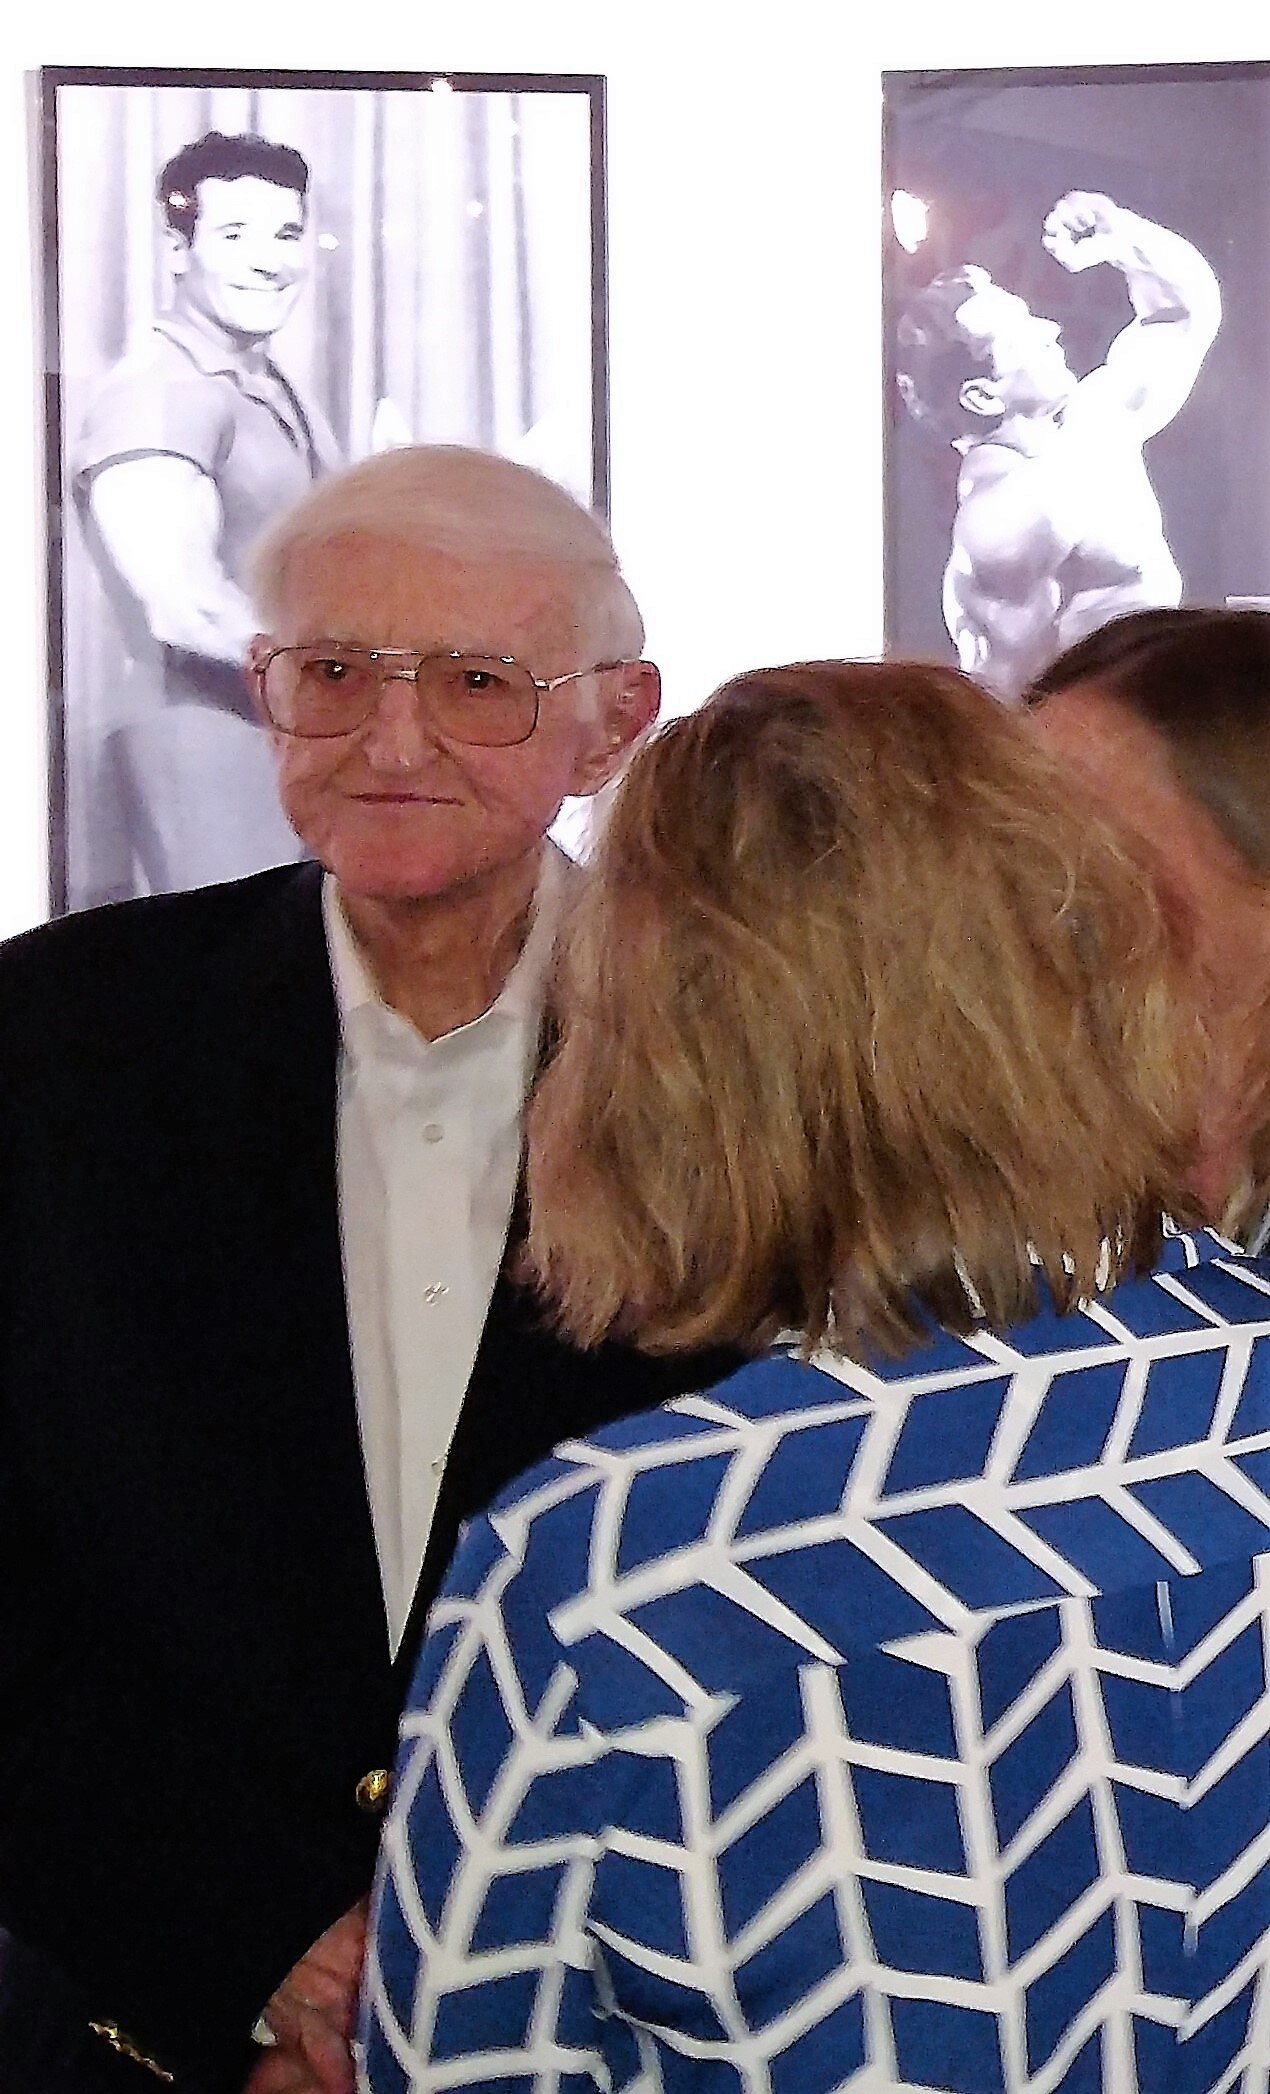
1058, 527
263, 1344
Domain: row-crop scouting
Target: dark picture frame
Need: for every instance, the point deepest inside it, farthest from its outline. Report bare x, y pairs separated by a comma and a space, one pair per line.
454, 289
987, 155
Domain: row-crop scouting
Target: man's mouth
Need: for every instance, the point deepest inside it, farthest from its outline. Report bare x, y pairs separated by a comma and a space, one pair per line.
408, 799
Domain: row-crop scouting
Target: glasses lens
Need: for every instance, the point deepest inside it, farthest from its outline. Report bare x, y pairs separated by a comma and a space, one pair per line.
477, 699
321, 690
332, 690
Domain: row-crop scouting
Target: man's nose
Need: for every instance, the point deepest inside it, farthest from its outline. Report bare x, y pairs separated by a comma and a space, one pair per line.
397, 736
266, 261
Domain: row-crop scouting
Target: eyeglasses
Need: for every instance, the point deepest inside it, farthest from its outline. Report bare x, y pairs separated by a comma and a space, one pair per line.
324, 690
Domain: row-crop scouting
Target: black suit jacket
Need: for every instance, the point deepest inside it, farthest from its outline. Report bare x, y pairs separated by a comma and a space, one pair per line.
192, 1642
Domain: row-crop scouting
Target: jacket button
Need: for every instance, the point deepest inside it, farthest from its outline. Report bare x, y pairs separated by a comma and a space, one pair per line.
372, 1790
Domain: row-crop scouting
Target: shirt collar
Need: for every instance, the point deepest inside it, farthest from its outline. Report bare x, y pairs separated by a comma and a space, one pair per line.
208, 345
522, 994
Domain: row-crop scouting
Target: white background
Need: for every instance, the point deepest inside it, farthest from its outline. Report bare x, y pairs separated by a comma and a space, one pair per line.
744, 283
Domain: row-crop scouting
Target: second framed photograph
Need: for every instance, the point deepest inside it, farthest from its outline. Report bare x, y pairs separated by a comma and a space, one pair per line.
249, 280
1077, 326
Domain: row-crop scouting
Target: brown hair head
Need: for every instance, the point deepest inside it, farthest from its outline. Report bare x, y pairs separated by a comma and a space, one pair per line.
858, 1021
1201, 679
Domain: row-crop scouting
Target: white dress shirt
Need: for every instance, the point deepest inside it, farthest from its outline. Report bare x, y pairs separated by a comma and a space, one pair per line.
429, 1142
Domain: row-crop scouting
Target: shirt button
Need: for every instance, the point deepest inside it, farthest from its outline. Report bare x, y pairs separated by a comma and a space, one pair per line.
437, 1464
435, 1292
433, 1133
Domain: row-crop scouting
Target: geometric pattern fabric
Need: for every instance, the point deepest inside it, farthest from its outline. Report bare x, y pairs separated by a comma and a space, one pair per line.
900, 1727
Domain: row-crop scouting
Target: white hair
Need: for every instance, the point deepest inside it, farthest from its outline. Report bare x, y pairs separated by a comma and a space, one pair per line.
447, 498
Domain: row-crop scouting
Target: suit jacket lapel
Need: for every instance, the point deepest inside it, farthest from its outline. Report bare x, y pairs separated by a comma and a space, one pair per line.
280, 1133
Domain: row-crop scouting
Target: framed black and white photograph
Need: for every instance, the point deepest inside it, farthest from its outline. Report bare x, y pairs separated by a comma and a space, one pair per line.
1077, 337
250, 279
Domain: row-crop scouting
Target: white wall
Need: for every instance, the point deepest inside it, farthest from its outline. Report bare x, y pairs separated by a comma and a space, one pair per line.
744, 233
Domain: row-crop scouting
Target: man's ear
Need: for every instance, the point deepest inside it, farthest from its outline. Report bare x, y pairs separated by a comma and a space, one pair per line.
259, 648
980, 396
629, 701
177, 249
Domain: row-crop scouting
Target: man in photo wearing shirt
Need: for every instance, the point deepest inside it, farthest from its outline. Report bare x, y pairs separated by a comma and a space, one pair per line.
262, 1347
192, 445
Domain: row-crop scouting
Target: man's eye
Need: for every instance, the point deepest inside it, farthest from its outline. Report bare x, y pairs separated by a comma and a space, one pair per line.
328, 669
483, 682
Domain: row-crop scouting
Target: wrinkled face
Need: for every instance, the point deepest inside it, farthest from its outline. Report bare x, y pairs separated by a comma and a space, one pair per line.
1031, 374
247, 260
394, 811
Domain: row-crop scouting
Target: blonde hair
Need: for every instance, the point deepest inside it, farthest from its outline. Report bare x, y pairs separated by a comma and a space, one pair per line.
860, 1025
447, 498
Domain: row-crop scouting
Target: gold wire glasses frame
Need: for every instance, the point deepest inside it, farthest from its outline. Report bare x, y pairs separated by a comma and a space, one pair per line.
322, 690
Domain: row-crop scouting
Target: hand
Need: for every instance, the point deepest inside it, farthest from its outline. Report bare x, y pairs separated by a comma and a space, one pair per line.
313, 2014
1083, 230
281, 2072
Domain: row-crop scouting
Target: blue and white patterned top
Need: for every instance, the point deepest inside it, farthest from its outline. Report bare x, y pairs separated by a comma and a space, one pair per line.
852, 1729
